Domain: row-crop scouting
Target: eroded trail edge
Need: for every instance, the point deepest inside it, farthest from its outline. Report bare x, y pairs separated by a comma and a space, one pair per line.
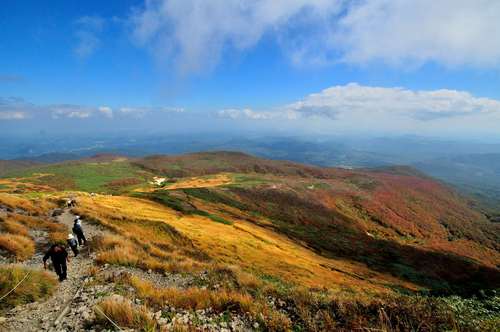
72, 304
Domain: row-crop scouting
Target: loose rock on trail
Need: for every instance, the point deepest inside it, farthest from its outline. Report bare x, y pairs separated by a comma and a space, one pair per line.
71, 304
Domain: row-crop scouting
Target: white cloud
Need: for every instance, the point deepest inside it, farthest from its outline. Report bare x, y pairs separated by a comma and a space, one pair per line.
137, 112
196, 33
18, 108
451, 32
357, 108
14, 109
343, 101
87, 33
12, 115
231, 113
68, 111
107, 111
171, 109
140, 112
247, 113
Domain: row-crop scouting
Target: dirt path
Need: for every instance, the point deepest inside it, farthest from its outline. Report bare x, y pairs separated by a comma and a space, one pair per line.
41, 316
72, 304
71, 307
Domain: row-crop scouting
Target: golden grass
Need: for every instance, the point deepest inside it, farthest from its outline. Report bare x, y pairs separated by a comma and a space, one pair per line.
193, 182
25, 185
28, 221
118, 250
202, 182
124, 314
14, 227
179, 327
244, 244
93, 271
125, 256
220, 301
233, 277
114, 249
18, 246
37, 286
6, 185
31, 206
58, 237
57, 232
192, 298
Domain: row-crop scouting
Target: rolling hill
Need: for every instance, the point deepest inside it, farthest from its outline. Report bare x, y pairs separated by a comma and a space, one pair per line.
355, 235
475, 174
7, 166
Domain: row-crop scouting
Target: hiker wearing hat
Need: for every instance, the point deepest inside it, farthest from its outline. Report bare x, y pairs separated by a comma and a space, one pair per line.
59, 256
78, 231
73, 244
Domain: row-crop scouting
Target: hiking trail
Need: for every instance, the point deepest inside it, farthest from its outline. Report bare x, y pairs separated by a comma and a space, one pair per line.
71, 302
71, 306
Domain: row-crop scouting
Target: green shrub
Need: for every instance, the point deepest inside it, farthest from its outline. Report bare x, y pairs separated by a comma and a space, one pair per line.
37, 286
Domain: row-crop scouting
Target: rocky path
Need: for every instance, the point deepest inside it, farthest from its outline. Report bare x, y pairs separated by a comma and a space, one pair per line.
71, 304
71, 307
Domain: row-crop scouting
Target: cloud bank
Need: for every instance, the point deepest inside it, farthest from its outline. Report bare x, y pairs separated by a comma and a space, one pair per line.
247, 113
20, 109
196, 34
354, 107
343, 101
7, 115
350, 108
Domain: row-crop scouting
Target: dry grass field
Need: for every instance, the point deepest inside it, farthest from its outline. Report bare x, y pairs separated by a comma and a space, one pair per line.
243, 243
282, 245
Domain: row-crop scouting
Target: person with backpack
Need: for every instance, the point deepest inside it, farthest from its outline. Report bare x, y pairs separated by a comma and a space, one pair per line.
70, 203
73, 244
78, 231
59, 256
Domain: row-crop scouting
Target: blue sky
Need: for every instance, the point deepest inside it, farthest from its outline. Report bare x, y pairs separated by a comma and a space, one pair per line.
255, 63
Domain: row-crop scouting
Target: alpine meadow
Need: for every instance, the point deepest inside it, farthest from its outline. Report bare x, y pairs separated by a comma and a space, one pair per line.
240, 165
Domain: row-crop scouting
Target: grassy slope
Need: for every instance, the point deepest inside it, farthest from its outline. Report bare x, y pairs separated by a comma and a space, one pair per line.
404, 227
395, 222
205, 163
246, 245
7, 166
337, 232
98, 176
37, 287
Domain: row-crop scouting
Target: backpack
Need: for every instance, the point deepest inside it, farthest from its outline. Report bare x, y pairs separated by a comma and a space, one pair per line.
72, 243
77, 228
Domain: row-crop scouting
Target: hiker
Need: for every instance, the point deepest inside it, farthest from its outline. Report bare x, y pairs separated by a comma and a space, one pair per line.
73, 244
78, 231
59, 257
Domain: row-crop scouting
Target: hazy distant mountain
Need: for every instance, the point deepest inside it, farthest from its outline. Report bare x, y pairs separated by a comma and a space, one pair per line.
470, 166
52, 157
476, 174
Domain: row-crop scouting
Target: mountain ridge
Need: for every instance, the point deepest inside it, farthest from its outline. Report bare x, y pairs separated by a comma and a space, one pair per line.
362, 233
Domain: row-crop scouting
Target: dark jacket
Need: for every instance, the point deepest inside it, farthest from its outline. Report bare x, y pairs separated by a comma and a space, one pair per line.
73, 242
56, 257
77, 228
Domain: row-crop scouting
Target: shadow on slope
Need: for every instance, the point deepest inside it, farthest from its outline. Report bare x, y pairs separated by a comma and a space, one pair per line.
332, 234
